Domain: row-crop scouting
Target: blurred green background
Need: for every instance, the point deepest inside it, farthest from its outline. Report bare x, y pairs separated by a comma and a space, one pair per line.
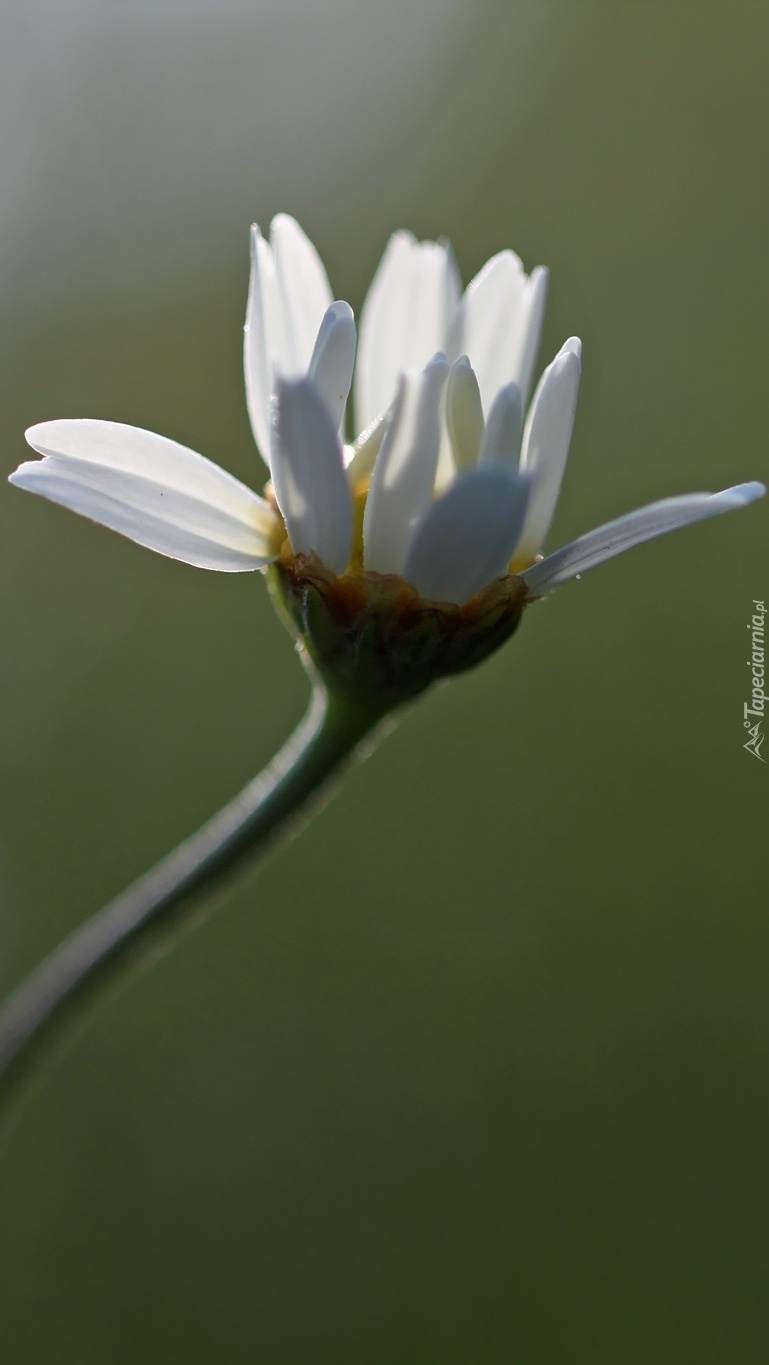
476, 1071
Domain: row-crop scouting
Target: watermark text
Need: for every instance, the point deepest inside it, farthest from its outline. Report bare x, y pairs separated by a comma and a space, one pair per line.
753, 710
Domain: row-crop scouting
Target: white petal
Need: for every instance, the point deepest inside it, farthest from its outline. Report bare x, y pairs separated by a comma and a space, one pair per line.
261, 341
572, 344
501, 442
404, 473
464, 413
404, 320
488, 324
365, 451
533, 312
304, 290
115, 445
633, 529
309, 476
152, 490
468, 536
333, 359
546, 442
288, 294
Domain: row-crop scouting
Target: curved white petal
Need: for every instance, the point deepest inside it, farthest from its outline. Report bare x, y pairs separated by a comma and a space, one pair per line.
620, 535
261, 340
464, 413
288, 294
468, 536
572, 344
532, 317
546, 442
404, 474
333, 359
501, 442
365, 451
309, 476
152, 490
304, 291
404, 320
115, 445
488, 325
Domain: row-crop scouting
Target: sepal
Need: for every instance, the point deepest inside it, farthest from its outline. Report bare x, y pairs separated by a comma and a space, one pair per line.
374, 639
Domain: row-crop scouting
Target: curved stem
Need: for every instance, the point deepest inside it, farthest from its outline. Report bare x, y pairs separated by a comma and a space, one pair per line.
161, 900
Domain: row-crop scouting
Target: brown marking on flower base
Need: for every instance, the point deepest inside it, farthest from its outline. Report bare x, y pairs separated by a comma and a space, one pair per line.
373, 634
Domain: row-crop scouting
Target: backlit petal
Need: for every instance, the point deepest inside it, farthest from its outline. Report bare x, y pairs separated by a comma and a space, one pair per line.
333, 359
288, 294
546, 442
464, 413
488, 323
261, 341
304, 291
501, 442
635, 528
154, 491
404, 474
532, 316
404, 320
309, 476
467, 538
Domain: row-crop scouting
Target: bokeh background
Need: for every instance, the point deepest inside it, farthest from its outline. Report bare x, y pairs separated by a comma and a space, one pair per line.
476, 1071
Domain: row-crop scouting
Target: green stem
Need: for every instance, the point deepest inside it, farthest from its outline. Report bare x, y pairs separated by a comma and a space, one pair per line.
161, 901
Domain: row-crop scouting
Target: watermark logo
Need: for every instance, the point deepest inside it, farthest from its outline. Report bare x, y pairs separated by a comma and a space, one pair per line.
753, 710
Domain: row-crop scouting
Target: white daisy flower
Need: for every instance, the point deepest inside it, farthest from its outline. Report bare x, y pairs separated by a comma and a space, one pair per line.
447, 487
404, 558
